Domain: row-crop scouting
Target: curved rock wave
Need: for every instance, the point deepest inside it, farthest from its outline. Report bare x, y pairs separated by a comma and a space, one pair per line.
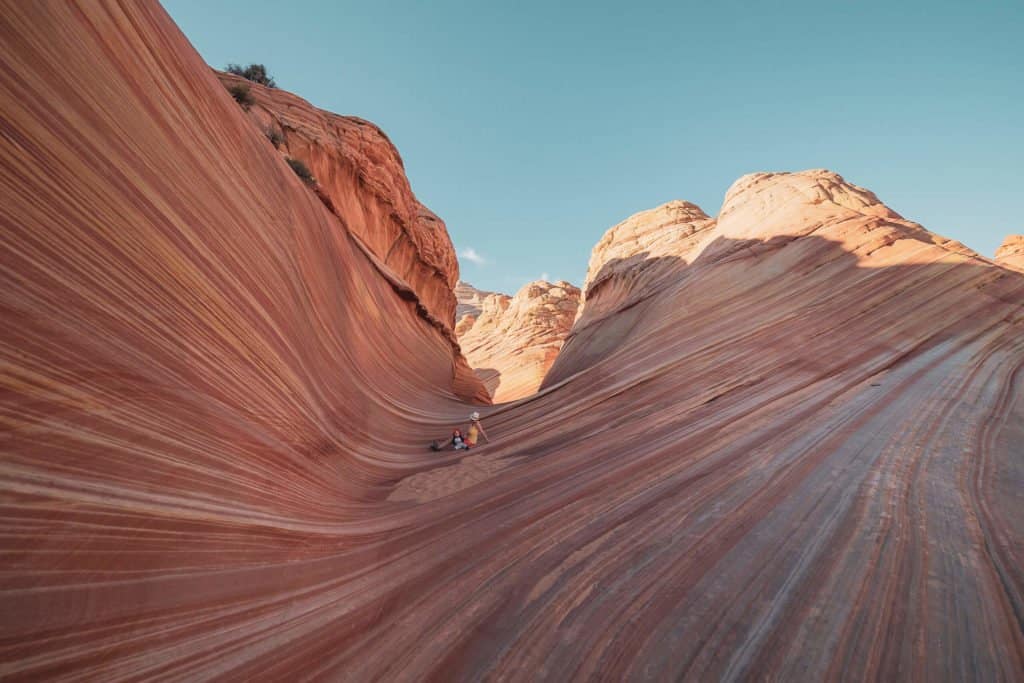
796, 457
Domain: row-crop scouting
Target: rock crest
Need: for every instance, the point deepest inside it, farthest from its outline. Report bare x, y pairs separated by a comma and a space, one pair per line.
1011, 252
361, 175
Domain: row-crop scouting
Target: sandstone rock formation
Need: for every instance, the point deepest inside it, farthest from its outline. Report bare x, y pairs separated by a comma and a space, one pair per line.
636, 256
1011, 252
652, 250
468, 300
796, 456
464, 324
513, 341
361, 175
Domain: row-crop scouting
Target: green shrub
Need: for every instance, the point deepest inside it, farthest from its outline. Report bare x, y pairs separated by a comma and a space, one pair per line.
301, 170
275, 136
240, 91
257, 73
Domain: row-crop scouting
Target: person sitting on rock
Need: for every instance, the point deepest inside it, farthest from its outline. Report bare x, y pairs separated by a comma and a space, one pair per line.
458, 443
475, 428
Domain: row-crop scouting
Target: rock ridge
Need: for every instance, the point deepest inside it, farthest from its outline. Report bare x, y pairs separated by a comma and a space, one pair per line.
1011, 252
360, 174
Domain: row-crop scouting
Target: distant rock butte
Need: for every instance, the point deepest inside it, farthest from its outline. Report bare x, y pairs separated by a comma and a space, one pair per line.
1011, 253
360, 173
513, 341
468, 299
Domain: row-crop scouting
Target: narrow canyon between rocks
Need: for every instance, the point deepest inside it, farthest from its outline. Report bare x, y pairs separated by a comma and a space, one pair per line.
785, 442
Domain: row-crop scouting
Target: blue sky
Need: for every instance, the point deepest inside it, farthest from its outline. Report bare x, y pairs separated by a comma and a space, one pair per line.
532, 127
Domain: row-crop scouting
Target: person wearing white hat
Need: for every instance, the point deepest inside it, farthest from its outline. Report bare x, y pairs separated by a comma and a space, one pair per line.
474, 428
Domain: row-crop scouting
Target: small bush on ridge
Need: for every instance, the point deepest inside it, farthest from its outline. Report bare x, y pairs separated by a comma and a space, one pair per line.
240, 91
301, 170
257, 73
275, 136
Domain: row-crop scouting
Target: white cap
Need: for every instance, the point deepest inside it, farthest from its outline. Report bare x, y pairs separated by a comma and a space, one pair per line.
474, 416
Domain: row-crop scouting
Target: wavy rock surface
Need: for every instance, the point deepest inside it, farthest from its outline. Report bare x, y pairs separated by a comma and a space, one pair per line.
361, 175
829, 391
1011, 252
513, 341
797, 458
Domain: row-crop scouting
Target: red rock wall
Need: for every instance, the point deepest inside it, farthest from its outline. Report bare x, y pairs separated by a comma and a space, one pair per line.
360, 172
205, 379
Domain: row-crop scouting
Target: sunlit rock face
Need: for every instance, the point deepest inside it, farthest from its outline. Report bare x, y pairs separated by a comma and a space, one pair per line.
513, 341
360, 174
779, 206
1011, 252
469, 299
794, 455
464, 324
637, 256
653, 250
